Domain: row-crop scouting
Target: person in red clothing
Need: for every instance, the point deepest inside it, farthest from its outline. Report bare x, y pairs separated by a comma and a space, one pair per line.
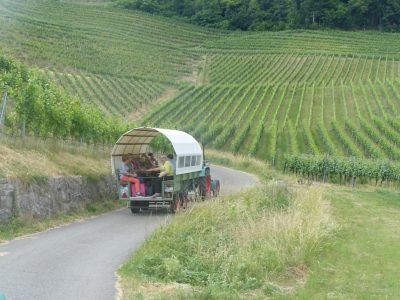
125, 175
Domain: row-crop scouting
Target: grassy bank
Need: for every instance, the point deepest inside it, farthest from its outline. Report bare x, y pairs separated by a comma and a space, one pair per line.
244, 163
30, 159
35, 160
252, 245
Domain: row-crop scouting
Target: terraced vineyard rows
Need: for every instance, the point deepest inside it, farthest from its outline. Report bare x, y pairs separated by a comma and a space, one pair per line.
116, 95
116, 59
304, 69
262, 94
270, 121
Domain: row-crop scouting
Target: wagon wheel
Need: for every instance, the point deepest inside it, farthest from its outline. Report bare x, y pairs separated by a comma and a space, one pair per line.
135, 210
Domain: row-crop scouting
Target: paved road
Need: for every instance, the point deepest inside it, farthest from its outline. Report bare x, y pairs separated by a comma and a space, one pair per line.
78, 261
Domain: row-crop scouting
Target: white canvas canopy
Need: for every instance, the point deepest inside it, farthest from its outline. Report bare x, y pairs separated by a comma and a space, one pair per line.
189, 155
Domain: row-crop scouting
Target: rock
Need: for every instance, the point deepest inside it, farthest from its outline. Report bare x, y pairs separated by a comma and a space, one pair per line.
59, 194
5, 215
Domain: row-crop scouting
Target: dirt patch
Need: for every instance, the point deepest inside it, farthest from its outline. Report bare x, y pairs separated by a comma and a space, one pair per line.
139, 113
149, 290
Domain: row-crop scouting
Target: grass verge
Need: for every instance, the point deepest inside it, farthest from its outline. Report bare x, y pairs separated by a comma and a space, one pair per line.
23, 226
31, 159
252, 245
244, 163
364, 262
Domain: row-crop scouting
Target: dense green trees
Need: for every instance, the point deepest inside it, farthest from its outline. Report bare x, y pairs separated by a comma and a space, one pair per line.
278, 14
39, 108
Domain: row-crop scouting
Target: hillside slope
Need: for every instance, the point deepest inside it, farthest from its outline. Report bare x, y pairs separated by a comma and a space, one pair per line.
117, 59
264, 94
269, 94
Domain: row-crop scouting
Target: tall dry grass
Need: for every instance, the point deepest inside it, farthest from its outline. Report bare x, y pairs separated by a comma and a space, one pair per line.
30, 158
255, 244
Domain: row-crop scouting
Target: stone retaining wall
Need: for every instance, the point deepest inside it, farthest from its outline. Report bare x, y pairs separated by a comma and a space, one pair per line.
56, 195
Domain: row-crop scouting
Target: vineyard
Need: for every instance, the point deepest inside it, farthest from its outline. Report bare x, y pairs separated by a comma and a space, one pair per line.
117, 60
41, 109
113, 95
267, 95
339, 119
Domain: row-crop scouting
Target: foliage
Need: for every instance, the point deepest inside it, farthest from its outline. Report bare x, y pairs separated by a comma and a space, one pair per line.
278, 15
42, 109
346, 169
162, 144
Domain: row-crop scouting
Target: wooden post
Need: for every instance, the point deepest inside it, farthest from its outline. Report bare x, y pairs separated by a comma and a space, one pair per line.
3, 112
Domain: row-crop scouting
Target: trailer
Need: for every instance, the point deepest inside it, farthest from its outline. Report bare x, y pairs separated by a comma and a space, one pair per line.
191, 178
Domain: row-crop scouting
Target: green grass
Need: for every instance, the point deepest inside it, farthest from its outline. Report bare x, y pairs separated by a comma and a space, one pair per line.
252, 245
364, 261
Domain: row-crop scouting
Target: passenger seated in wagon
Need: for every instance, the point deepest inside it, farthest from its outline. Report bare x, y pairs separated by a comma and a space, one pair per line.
166, 172
126, 175
153, 161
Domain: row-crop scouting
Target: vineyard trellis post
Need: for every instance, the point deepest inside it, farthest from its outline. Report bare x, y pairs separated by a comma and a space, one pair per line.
3, 112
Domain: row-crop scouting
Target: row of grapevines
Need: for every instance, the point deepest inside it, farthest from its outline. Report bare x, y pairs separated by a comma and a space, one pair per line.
189, 122
307, 75
205, 119
310, 142
260, 124
317, 74
284, 91
284, 69
333, 102
340, 72
388, 97
294, 147
273, 141
349, 146
203, 102
377, 98
369, 108
223, 138
293, 70
242, 134
395, 123
311, 105
326, 140
355, 69
348, 169
300, 106
289, 106
366, 144
321, 76
378, 138
387, 131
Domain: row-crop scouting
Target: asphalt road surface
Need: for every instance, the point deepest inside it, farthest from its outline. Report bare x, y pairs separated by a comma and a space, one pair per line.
78, 261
